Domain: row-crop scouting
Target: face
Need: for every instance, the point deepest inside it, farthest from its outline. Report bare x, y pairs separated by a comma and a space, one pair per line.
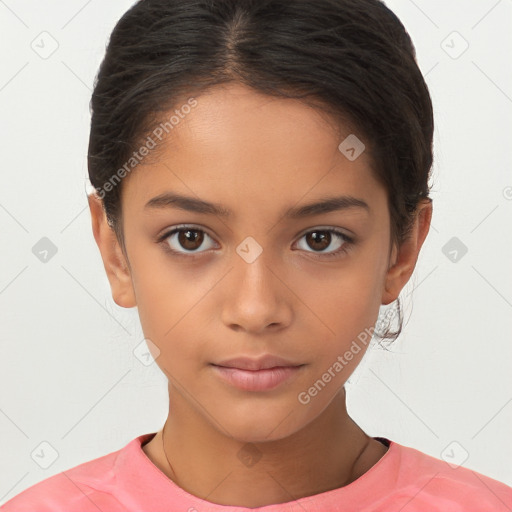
258, 280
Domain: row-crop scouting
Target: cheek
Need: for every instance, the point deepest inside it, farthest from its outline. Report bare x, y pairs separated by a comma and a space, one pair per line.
348, 300
345, 309
159, 300
171, 304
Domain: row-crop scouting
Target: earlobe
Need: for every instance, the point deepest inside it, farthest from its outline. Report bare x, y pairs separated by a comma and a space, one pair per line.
407, 254
114, 260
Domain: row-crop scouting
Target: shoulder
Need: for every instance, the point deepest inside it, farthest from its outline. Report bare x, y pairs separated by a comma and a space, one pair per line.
79, 489
430, 481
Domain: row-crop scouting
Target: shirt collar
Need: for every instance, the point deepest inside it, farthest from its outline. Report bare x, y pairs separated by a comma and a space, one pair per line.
140, 483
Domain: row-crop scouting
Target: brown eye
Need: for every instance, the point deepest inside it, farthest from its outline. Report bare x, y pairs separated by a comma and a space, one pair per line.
320, 239
185, 239
190, 239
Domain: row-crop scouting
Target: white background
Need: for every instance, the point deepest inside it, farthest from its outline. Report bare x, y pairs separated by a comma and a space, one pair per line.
67, 372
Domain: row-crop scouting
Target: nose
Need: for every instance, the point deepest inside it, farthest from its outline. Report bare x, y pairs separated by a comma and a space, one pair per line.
256, 297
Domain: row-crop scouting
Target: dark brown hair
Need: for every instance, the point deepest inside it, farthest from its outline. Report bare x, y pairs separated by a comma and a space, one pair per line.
351, 58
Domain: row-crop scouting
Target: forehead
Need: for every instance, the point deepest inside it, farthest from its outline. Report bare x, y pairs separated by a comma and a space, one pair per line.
244, 149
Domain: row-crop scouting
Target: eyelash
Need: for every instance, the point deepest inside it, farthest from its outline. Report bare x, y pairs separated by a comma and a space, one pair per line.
348, 241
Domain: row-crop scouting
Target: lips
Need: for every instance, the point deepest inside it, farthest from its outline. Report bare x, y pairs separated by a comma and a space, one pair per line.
255, 364
257, 374
257, 380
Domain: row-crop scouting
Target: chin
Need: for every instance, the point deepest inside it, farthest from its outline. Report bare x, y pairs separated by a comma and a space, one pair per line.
250, 425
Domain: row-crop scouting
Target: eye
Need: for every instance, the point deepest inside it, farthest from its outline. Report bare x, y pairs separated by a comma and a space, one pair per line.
185, 240
320, 239
188, 238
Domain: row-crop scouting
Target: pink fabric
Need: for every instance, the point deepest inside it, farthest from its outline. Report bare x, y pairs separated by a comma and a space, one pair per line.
404, 480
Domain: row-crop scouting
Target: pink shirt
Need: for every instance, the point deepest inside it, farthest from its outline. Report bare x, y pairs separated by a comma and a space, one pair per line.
404, 480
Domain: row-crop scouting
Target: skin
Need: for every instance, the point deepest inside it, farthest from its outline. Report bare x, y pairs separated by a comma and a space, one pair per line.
257, 156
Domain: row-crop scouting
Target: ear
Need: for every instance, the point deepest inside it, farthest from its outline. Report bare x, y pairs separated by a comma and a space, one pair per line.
114, 260
407, 254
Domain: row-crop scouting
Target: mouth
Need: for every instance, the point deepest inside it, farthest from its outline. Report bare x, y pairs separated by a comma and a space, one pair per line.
264, 362
263, 379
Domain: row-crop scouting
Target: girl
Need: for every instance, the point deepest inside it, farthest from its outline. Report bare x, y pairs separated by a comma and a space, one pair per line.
261, 186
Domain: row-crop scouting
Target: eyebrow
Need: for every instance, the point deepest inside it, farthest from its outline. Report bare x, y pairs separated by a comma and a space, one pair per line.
192, 204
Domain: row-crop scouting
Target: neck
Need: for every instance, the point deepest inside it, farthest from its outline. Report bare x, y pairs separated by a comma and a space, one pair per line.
328, 453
